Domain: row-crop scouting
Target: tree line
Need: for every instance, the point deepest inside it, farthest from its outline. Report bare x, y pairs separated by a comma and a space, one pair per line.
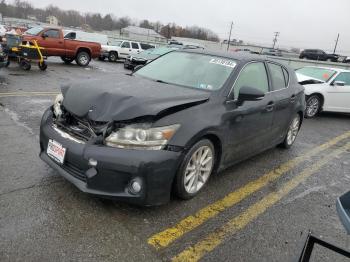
98, 22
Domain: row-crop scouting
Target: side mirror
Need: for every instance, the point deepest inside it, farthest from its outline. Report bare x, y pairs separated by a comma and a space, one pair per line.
138, 67
247, 93
339, 83
44, 35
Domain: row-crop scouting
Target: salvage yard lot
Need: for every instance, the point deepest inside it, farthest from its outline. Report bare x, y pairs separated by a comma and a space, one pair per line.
258, 210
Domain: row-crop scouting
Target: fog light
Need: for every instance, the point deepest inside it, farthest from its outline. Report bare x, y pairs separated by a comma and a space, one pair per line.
135, 187
92, 162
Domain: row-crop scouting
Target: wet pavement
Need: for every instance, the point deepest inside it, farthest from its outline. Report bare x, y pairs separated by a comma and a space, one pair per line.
45, 218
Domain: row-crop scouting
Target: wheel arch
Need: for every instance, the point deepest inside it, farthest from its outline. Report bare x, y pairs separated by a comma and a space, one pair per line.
83, 49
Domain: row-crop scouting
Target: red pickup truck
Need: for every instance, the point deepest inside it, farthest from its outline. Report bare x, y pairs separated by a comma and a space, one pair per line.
54, 43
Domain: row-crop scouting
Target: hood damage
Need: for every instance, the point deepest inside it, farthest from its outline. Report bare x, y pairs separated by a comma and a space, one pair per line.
90, 111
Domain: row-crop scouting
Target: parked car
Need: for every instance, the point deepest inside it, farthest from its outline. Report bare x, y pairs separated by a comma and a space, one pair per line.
54, 43
170, 124
326, 89
317, 54
271, 52
346, 59
123, 49
147, 56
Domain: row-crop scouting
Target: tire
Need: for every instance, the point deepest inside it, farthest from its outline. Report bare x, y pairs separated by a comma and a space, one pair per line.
67, 60
292, 132
7, 63
313, 106
200, 173
25, 65
83, 58
42, 66
113, 57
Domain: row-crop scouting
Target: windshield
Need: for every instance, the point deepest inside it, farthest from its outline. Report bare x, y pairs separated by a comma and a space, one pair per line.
322, 74
190, 70
34, 30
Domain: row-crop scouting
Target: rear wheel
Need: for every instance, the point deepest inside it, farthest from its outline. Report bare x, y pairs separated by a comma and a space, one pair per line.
313, 105
113, 57
67, 60
83, 58
195, 169
292, 132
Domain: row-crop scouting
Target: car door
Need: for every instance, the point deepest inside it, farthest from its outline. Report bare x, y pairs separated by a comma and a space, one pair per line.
284, 98
125, 49
249, 124
135, 49
338, 97
52, 42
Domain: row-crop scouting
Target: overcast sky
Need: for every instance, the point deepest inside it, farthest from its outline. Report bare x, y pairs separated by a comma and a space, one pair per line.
301, 23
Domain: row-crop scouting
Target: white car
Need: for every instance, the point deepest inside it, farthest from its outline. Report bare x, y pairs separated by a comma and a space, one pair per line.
326, 89
122, 49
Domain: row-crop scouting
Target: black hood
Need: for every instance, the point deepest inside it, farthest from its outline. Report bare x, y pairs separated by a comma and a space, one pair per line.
125, 97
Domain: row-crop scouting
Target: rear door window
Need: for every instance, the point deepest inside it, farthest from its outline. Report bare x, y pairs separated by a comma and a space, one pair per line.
277, 76
134, 45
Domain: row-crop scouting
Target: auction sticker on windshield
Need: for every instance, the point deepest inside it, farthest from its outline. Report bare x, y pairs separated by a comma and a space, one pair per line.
56, 151
223, 62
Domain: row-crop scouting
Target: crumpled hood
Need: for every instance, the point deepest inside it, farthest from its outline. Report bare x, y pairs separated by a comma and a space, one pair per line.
303, 79
124, 97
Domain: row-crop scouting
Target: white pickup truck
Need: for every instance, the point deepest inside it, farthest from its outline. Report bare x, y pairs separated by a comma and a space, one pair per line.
120, 49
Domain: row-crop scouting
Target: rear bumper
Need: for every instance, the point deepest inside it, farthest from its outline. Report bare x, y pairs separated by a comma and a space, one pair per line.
116, 168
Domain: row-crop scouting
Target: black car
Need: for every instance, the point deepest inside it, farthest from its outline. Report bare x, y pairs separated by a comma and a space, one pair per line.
171, 124
3, 57
317, 54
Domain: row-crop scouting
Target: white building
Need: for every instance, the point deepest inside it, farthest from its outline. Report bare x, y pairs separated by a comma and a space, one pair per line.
52, 20
142, 34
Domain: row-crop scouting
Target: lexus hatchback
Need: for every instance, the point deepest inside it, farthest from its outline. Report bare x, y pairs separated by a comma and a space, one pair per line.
167, 127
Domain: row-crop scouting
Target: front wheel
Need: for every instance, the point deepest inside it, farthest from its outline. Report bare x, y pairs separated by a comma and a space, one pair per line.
292, 132
195, 169
313, 106
42, 66
83, 58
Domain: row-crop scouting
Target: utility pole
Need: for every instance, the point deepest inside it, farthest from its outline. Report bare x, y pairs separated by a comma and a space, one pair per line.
275, 39
229, 38
336, 43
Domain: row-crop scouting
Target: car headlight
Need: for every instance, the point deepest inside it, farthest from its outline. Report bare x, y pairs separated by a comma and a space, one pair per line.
141, 137
57, 105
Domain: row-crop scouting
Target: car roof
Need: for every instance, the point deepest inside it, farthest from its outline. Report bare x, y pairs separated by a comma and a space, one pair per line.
330, 68
241, 56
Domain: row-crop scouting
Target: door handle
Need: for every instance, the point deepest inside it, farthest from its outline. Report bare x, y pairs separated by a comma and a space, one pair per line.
292, 99
270, 106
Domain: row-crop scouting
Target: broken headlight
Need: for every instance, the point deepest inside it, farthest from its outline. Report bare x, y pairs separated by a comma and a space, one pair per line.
141, 137
57, 105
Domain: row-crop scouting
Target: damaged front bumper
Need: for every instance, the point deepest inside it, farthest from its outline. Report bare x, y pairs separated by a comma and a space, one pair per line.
116, 169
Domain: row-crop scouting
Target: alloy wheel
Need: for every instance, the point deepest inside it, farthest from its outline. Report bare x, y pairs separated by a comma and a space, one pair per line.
198, 169
293, 130
312, 106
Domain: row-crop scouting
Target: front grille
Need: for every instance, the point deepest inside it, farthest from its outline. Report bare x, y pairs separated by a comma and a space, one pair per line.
74, 171
79, 128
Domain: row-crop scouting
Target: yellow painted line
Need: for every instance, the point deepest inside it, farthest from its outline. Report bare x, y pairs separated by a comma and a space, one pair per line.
215, 238
9, 94
166, 237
